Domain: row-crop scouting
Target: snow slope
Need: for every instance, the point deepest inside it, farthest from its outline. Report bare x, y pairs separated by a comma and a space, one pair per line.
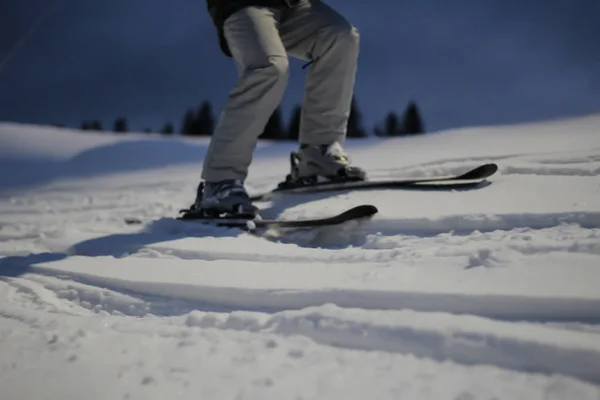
471, 294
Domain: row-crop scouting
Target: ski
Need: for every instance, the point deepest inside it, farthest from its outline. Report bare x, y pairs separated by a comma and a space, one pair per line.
469, 178
355, 213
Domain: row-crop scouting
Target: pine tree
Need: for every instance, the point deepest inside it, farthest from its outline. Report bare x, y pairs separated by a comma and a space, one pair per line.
120, 125
96, 125
294, 124
355, 127
412, 123
392, 125
168, 129
86, 126
274, 129
205, 119
188, 126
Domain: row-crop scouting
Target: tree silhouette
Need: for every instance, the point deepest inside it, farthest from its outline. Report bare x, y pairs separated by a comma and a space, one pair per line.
355, 127
188, 126
412, 122
200, 122
120, 125
168, 129
392, 125
96, 125
205, 120
274, 128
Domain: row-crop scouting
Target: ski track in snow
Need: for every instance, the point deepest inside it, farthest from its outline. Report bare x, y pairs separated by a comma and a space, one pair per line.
502, 290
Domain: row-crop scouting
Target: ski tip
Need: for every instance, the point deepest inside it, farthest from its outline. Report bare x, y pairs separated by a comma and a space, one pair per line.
364, 210
491, 167
481, 172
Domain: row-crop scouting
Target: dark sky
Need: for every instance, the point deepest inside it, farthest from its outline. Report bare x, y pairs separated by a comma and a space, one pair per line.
465, 62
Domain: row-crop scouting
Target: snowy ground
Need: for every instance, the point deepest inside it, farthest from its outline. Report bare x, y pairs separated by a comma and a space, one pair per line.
491, 293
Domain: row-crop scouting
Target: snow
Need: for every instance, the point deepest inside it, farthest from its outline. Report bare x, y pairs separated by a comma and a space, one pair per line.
469, 294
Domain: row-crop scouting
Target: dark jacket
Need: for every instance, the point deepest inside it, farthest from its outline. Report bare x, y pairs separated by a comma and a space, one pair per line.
220, 10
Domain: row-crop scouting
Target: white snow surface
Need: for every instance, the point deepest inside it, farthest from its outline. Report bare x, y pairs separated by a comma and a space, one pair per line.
491, 293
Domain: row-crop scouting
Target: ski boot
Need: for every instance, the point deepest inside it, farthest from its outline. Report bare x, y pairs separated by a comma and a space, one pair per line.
224, 199
321, 163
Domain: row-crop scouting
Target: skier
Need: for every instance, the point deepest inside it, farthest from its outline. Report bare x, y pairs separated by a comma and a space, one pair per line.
259, 35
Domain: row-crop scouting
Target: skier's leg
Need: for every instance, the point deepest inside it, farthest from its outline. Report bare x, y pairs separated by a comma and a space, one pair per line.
313, 31
262, 63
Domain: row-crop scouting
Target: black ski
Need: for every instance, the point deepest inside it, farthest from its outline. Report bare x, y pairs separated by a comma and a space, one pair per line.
355, 213
474, 176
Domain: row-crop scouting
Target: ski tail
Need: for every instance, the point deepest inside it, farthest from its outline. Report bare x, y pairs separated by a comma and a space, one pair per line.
481, 172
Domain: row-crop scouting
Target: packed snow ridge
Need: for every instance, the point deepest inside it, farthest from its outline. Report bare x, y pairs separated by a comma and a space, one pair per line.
485, 292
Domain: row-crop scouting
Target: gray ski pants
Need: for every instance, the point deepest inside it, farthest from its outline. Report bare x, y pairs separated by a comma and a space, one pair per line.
260, 39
